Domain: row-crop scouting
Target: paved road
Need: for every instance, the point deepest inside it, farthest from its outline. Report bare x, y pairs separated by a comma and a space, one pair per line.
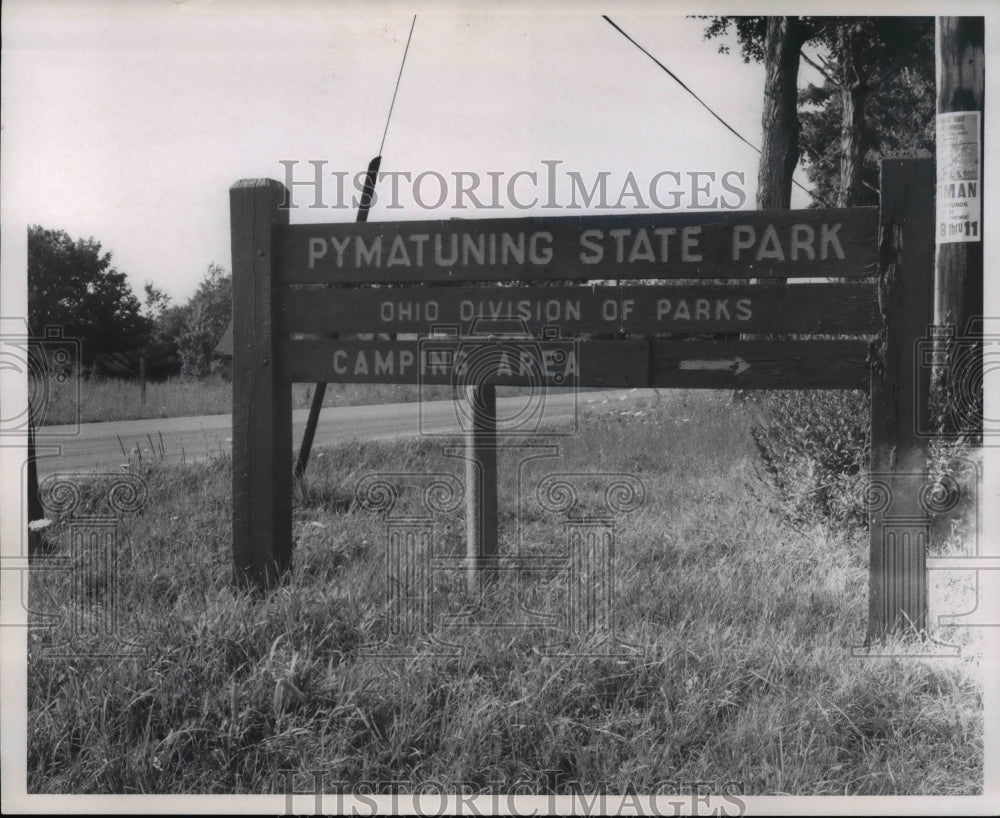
95, 446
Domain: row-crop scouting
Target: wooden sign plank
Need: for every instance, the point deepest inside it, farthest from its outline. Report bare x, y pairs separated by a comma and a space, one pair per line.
759, 364
730, 244
849, 308
511, 362
613, 363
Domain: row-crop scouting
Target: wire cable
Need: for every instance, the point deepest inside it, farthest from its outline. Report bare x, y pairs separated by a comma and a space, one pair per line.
704, 104
302, 461
396, 89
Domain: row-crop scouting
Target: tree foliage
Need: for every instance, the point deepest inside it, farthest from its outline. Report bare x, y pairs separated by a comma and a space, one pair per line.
206, 316
162, 356
184, 336
891, 85
73, 285
877, 95
749, 32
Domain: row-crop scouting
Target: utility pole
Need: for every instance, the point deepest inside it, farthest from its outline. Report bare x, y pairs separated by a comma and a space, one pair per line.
961, 82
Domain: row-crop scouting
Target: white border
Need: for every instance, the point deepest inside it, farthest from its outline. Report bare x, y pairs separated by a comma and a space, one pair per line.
13, 264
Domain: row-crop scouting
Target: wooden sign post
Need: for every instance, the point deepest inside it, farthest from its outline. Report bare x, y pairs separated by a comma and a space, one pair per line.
295, 284
262, 395
898, 561
481, 524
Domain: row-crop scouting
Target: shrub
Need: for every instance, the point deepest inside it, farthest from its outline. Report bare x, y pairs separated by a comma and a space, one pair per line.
814, 449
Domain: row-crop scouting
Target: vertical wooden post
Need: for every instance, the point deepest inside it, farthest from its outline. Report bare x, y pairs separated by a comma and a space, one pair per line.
959, 298
262, 397
142, 379
481, 486
898, 583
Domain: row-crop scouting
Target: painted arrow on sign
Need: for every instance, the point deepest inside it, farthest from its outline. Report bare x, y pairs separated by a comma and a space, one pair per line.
737, 365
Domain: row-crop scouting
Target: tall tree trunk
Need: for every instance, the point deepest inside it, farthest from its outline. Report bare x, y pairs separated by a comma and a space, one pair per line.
853, 96
780, 121
779, 152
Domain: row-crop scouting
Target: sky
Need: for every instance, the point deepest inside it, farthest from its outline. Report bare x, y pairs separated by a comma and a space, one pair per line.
135, 118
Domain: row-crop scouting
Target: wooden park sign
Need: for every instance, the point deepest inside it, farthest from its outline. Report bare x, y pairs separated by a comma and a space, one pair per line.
614, 301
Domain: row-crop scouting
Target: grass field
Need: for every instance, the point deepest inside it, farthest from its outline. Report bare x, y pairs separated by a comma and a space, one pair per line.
90, 400
732, 664
95, 400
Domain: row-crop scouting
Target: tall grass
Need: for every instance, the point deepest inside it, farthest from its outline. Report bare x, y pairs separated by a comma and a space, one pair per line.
93, 400
96, 399
737, 665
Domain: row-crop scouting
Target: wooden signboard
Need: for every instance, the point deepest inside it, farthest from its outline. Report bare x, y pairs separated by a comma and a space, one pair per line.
615, 301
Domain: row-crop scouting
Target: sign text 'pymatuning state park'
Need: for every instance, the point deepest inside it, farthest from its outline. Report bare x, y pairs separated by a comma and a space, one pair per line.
674, 245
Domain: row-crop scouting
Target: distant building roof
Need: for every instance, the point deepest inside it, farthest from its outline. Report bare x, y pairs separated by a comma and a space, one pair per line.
121, 364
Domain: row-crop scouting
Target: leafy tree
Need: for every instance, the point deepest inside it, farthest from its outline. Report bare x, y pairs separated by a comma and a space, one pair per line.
156, 301
860, 58
207, 314
162, 356
777, 42
72, 285
879, 93
877, 97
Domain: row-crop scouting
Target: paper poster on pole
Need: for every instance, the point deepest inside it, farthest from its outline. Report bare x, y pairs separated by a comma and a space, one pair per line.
959, 192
